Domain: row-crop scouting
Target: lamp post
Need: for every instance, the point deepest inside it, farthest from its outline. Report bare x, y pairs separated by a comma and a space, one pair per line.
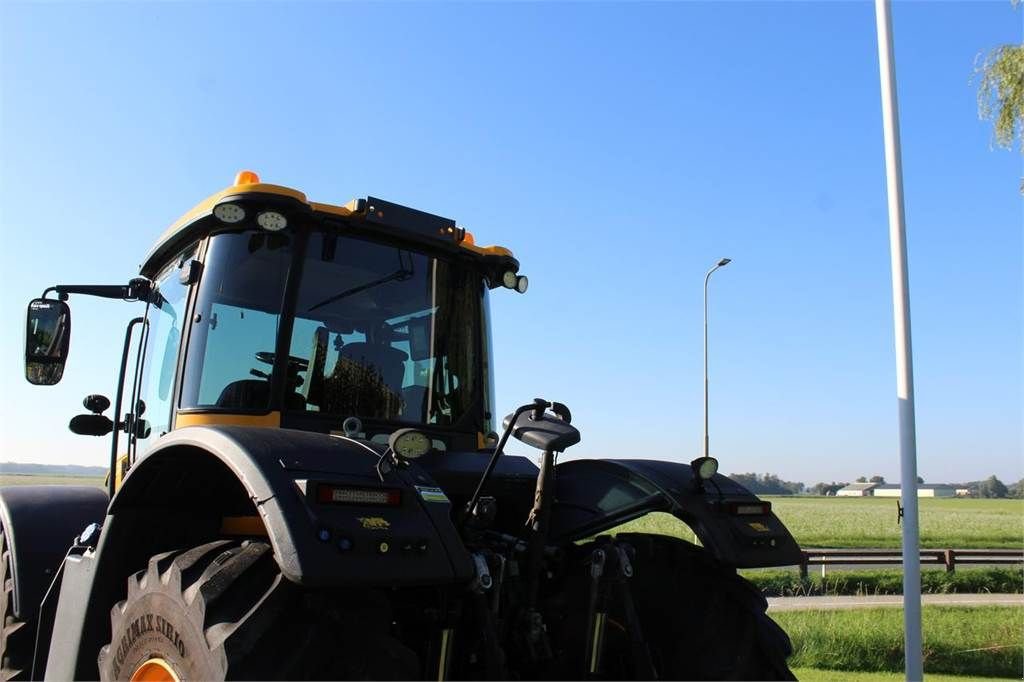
722, 263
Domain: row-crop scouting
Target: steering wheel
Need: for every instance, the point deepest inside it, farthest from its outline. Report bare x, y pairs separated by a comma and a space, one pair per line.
294, 364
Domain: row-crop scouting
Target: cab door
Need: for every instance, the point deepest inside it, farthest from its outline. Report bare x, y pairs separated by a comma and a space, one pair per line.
154, 389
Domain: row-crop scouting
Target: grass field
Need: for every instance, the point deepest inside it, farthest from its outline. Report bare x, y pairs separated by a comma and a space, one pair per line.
985, 641
36, 479
869, 522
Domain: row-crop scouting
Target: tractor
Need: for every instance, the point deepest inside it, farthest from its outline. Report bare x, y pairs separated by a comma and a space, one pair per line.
308, 480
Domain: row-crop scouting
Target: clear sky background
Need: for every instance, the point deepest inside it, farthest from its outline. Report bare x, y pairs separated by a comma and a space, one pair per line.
619, 150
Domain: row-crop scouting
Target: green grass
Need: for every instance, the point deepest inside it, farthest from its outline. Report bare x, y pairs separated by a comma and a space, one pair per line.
974, 580
852, 522
871, 522
984, 641
816, 675
39, 479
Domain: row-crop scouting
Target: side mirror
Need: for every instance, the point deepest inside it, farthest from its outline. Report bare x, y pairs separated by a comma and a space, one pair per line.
47, 339
91, 425
549, 433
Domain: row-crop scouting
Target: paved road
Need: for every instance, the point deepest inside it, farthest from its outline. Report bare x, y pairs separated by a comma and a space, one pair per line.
832, 603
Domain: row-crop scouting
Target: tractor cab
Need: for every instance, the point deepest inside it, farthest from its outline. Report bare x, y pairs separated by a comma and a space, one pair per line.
262, 308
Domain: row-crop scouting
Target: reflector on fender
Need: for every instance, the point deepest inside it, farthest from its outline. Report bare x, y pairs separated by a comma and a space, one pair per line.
336, 494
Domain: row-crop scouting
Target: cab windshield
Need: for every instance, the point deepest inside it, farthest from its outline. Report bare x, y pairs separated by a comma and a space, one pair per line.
379, 332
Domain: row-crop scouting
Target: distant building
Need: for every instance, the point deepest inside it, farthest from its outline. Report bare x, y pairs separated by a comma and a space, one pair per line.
963, 492
857, 490
923, 490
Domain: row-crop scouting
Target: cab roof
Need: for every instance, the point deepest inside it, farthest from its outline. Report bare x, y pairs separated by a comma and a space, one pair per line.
247, 185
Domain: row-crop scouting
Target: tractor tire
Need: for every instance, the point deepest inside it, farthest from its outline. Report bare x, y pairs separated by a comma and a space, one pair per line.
704, 621
203, 613
17, 637
698, 619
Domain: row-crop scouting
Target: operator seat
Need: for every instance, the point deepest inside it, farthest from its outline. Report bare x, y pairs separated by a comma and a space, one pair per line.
388, 361
254, 394
366, 380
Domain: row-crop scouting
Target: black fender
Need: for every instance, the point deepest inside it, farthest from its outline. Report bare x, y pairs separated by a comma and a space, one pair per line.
41, 523
275, 473
178, 494
741, 531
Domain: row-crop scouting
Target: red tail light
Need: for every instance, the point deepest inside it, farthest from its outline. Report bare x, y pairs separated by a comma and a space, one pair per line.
343, 494
749, 508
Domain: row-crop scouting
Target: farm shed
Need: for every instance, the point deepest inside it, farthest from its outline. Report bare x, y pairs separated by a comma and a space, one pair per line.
857, 490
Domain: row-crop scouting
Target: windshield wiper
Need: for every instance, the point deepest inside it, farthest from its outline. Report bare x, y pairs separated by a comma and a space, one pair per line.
399, 275
403, 273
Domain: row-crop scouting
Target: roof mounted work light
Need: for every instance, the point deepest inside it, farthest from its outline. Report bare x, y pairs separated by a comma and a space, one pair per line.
272, 221
704, 468
229, 213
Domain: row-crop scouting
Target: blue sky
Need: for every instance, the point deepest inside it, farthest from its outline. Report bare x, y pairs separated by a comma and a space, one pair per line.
619, 150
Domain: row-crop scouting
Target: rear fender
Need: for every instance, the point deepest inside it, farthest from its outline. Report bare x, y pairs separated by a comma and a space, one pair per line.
181, 493
593, 496
273, 473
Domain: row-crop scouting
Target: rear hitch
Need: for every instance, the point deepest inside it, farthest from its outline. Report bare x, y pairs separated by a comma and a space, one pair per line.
611, 568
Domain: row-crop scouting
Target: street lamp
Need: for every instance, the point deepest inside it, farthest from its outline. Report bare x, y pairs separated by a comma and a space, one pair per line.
722, 263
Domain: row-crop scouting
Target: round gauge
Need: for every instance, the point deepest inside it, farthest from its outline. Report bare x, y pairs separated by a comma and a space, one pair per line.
509, 279
410, 443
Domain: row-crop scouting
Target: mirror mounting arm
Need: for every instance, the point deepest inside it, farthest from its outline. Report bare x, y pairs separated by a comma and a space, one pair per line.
538, 404
137, 289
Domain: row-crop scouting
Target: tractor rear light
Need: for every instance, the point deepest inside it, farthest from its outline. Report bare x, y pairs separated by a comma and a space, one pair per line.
335, 494
749, 508
229, 213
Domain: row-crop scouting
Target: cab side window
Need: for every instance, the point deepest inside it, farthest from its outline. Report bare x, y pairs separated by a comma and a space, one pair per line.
165, 321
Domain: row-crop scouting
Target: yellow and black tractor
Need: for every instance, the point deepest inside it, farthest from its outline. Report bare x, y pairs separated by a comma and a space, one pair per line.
307, 480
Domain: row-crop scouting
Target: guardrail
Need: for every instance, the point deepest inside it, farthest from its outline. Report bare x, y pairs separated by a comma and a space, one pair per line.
950, 558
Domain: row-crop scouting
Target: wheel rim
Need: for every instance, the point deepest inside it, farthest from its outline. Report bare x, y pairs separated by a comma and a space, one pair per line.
155, 670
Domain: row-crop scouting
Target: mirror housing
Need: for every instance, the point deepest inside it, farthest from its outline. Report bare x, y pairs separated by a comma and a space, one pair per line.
47, 340
548, 433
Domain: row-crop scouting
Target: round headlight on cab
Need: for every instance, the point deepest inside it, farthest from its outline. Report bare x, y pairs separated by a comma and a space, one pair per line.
229, 213
272, 221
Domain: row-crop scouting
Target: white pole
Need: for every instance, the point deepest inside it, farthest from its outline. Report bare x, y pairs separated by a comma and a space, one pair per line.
722, 263
904, 363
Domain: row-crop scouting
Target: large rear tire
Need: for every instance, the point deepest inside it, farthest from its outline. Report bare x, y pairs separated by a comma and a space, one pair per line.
17, 636
698, 619
702, 620
200, 614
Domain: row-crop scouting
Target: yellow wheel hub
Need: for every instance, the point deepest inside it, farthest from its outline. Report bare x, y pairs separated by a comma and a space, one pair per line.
155, 670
